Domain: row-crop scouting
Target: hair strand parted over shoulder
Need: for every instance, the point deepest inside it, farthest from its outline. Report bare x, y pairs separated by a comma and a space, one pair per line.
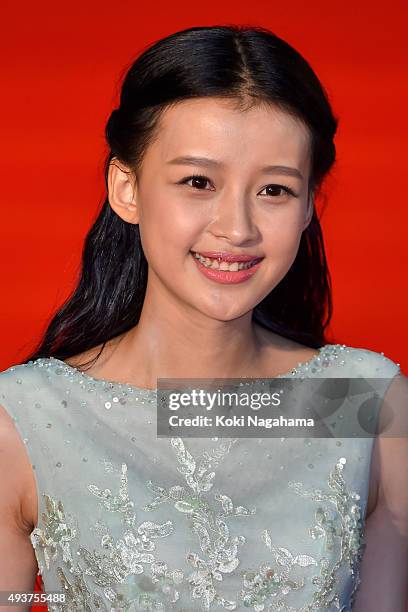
248, 65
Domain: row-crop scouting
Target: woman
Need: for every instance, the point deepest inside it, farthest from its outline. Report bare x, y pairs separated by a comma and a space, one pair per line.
206, 260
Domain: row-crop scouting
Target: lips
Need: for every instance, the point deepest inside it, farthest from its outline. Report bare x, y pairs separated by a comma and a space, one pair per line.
228, 257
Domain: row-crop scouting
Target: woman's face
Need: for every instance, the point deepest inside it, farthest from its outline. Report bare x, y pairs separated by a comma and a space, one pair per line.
250, 199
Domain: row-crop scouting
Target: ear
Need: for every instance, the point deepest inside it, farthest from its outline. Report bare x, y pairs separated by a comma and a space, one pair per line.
122, 191
309, 210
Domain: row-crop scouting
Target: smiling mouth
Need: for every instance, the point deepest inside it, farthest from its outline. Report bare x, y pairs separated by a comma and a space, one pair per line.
219, 262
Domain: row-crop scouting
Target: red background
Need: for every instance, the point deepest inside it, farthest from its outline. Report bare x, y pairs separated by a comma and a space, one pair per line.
62, 64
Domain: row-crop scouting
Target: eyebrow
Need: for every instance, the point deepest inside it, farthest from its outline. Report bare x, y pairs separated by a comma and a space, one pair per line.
191, 160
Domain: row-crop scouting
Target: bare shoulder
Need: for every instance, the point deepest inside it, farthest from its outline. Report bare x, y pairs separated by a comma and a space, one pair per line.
388, 475
18, 501
392, 448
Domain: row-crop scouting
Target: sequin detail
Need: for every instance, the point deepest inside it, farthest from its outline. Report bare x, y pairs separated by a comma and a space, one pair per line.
343, 527
119, 561
207, 522
114, 393
115, 564
65, 539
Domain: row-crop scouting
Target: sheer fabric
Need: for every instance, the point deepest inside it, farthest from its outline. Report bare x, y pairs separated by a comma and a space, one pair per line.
130, 521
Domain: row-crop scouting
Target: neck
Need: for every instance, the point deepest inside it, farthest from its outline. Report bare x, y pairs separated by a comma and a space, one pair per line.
177, 342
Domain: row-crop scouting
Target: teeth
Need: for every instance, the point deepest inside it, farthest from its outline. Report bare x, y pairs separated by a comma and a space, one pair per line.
223, 265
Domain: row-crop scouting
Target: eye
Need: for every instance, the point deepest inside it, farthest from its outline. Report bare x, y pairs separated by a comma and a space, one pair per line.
277, 191
198, 181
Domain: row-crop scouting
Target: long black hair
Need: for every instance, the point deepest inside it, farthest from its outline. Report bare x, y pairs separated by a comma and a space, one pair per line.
246, 64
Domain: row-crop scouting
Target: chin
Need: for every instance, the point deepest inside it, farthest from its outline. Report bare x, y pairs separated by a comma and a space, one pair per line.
223, 314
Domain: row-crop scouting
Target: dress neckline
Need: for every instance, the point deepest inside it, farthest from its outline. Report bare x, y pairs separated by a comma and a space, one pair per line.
325, 357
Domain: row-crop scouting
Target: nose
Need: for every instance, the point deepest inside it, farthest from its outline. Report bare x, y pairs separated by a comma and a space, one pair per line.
234, 219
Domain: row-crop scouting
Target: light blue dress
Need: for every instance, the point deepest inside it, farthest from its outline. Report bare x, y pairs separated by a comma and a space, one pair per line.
130, 521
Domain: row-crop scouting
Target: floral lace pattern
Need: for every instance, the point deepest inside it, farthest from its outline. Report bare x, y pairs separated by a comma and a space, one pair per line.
345, 525
208, 524
130, 555
129, 574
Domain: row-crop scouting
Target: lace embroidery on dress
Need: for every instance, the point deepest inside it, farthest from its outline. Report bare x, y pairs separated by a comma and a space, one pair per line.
346, 525
156, 591
220, 549
124, 558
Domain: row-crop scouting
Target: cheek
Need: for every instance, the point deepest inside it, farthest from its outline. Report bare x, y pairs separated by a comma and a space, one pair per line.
281, 245
168, 229
282, 238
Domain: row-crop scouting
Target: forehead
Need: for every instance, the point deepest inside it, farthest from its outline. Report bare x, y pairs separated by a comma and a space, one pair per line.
216, 127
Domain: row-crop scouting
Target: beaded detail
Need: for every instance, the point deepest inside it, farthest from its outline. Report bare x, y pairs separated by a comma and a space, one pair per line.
176, 541
122, 392
112, 565
342, 529
114, 562
210, 525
